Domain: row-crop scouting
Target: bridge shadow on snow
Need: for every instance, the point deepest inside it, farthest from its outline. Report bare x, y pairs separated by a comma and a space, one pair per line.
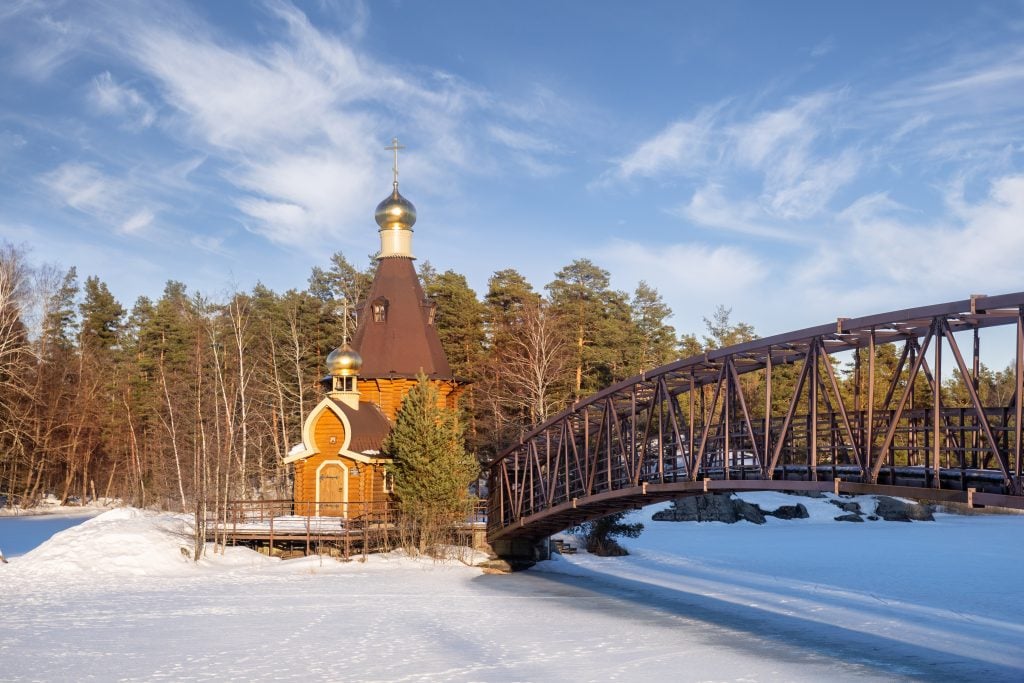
749, 629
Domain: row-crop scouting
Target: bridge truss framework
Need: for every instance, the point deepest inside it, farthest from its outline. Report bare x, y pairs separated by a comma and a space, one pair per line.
700, 424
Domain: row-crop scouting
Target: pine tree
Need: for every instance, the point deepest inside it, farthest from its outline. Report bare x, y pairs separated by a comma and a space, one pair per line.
432, 471
722, 332
599, 534
459, 321
59, 330
598, 322
101, 316
655, 339
341, 287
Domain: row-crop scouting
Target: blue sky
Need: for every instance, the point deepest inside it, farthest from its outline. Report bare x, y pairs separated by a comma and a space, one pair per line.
795, 161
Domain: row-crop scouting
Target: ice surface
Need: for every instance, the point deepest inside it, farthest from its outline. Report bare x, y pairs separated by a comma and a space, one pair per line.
811, 599
21, 535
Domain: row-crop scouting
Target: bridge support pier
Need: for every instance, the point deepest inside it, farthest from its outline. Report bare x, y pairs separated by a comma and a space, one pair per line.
521, 553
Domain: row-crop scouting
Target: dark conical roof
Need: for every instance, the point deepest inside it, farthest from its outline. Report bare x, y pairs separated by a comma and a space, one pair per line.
396, 336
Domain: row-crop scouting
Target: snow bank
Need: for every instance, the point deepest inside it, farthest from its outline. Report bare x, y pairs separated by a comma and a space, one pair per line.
124, 541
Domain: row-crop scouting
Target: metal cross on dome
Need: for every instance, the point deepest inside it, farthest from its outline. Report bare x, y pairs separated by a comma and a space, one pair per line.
344, 327
394, 148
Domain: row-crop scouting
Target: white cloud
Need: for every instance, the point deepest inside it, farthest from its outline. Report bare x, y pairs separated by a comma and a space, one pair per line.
681, 147
919, 120
708, 207
529, 151
138, 221
889, 256
81, 187
306, 198
691, 277
969, 87
805, 188
301, 120
112, 202
47, 45
214, 245
778, 156
520, 141
110, 97
760, 140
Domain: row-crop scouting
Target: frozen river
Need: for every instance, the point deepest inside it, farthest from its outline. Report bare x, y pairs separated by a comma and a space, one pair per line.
797, 600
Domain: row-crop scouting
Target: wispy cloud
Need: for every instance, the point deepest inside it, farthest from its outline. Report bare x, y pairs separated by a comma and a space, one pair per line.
710, 208
530, 151
687, 270
109, 200
769, 134
47, 46
110, 97
889, 255
298, 120
824, 47
680, 148
768, 170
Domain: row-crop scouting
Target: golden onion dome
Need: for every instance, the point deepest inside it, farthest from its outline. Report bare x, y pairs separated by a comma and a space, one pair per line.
344, 361
396, 212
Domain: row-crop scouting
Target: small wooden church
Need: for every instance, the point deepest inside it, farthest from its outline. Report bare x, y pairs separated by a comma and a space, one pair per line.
340, 469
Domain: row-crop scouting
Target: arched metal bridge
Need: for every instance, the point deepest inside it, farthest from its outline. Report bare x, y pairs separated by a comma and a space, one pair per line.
774, 414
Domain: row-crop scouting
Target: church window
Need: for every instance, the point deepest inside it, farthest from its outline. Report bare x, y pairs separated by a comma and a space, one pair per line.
380, 310
345, 384
431, 312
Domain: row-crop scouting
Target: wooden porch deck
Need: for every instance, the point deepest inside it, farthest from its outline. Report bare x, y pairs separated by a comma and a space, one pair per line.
285, 526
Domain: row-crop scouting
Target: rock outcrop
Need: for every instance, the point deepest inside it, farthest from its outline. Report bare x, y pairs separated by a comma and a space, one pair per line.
895, 510
722, 507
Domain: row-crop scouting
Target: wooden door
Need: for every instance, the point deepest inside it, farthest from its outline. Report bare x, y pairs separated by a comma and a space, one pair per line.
332, 490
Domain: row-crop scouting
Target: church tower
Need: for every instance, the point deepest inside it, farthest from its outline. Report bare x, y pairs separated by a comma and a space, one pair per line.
339, 469
396, 336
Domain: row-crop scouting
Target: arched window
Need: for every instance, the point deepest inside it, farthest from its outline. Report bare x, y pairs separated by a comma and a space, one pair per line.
380, 310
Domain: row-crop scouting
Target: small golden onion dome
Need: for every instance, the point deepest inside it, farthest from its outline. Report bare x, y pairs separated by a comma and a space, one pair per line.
395, 213
344, 361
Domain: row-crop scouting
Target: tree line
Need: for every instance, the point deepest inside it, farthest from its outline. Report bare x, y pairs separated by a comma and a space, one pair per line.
187, 398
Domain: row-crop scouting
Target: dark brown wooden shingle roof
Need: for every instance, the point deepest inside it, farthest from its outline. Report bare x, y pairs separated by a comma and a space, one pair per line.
406, 341
369, 426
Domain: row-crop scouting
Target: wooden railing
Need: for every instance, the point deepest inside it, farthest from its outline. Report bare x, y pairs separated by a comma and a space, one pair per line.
362, 526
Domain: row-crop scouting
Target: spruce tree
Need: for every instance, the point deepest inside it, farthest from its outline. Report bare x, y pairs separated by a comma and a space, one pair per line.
432, 471
597, 319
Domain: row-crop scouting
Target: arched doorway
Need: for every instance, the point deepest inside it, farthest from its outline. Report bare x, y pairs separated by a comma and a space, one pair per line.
332, 489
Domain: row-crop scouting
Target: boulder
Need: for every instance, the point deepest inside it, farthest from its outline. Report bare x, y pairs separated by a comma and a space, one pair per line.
748, 511
847, 506
849, 517
895, 510
710, 507
797, 511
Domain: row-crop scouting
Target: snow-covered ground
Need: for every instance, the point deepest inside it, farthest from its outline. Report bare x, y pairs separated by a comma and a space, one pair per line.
813, 599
